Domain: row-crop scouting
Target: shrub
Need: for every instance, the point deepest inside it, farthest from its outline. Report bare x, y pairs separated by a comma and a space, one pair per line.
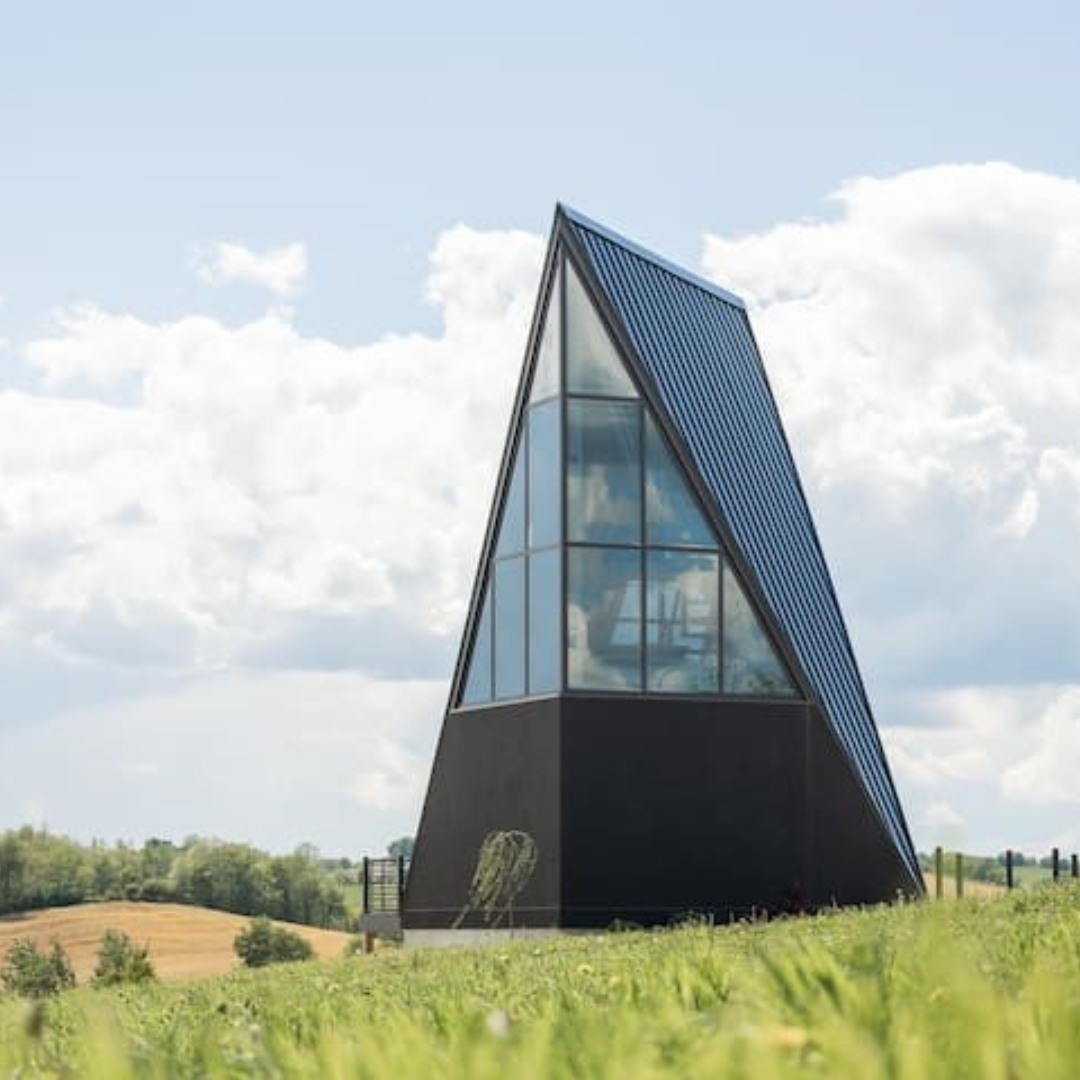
262, 943
121, 961
32, 973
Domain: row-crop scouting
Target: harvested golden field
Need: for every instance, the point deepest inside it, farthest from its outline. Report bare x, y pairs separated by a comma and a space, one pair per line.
972, 889
185, 942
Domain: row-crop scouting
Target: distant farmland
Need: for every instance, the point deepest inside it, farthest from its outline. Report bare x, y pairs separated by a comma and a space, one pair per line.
185, 942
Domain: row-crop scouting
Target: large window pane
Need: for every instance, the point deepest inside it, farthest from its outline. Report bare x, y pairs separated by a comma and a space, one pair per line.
545, 603
751, 665
546, 379
672, 515
603, 619
604, 472
545, 494
478, 682
681, 622
592, 364
510, 628
512, 527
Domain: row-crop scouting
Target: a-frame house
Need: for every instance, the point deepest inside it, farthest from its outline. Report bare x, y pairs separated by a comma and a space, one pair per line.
655, 681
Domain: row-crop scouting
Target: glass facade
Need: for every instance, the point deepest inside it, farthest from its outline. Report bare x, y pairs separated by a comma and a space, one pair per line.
512, 533
603, 619
545, 610
546, 380
649, 602
603, 472
751, 665
592, 364
545, 489
682, 622
673, 517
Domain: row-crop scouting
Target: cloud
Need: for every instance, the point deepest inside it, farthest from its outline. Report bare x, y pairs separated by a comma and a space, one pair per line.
1048, 773
1004, 758
248, 522
263, 497
941, 815
282, 270
922, 344
278, 758
245, 576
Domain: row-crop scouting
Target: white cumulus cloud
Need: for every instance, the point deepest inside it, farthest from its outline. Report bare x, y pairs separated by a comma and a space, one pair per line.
922, 341
1050, 772
266, 497
282, 270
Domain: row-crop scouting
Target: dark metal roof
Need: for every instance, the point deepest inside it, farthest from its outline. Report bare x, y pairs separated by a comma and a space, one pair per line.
696, 346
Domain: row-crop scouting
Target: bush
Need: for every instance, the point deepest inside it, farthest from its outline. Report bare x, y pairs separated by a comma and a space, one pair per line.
30, 972
121, 961
263, 943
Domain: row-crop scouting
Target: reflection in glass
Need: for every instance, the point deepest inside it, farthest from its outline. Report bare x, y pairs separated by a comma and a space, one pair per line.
592, 364
546, 379
672, 513
603, 619
603, 472
544, 605
545, 497
681, 622
478, 684
512, 527
751, 665
509, 634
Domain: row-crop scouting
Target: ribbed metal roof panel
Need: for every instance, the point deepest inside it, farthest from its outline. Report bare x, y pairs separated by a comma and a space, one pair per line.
696, 344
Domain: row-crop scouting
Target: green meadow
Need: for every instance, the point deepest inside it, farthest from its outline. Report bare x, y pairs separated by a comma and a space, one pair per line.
975, 988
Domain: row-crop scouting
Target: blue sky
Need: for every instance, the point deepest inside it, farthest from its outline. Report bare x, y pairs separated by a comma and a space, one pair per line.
234, 236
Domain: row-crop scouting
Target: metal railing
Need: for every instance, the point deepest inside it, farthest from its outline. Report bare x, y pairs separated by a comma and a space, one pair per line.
383, 886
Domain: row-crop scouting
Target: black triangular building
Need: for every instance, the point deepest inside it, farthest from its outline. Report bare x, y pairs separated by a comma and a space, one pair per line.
655, 680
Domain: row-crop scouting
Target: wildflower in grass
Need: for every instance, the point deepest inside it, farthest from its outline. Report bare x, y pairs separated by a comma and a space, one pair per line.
498, 1023
787, 1036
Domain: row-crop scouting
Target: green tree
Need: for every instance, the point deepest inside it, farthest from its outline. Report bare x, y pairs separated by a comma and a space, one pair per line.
31, 973
12, 871
402, 847
121, 961
262, 943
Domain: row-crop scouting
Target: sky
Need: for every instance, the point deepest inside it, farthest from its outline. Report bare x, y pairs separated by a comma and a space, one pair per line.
266, 272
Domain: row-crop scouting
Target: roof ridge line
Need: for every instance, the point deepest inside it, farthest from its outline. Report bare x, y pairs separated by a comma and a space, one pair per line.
585, 222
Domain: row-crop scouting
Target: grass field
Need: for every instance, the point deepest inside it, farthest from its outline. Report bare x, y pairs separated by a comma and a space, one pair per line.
185, 942
978, 988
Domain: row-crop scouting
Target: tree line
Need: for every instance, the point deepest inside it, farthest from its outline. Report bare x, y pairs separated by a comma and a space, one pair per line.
39, 869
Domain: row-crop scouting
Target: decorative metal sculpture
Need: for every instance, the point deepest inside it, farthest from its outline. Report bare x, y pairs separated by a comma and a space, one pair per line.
504, 866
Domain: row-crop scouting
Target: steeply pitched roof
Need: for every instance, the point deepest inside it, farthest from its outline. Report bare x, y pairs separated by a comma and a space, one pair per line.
694, 342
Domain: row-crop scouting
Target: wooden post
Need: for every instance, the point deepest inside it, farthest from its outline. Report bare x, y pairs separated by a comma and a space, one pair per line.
1075, 867
365, 885
1055, 863
369, 941
939, 873
959, 875
1009, 883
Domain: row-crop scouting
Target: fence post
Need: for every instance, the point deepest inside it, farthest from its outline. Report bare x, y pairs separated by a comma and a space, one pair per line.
1075, 868
939, 873
400, 881
365, 887
959, 875
1009, 869
1055, 862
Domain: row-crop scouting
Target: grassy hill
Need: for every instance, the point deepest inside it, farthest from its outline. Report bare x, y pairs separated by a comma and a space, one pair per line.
925, 991
185, 942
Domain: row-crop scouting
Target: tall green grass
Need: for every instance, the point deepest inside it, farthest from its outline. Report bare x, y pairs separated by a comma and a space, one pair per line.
982, 989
